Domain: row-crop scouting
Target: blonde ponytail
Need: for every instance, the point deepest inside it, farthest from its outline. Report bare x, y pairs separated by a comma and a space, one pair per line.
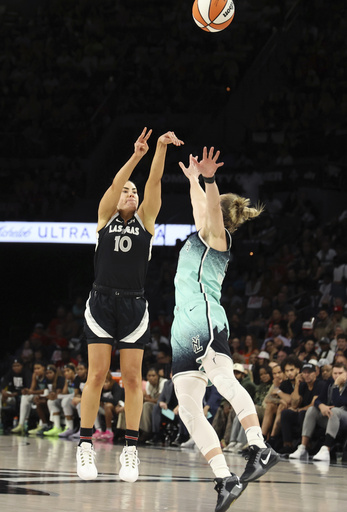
236, 211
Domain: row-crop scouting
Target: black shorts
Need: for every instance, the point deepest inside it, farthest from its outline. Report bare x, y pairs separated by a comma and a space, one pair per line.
121, 317
185, 357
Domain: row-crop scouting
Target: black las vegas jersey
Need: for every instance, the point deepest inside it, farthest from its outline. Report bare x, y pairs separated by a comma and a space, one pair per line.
122, 253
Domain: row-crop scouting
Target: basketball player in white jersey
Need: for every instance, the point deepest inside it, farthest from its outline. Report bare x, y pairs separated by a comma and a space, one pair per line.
116, 309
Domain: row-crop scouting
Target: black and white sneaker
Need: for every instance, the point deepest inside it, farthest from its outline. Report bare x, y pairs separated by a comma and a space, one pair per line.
228, 489
259, 461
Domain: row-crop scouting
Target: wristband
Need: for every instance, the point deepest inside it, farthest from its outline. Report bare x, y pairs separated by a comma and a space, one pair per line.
209, 180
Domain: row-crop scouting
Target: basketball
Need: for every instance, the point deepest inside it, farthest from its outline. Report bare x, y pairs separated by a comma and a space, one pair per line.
213, 15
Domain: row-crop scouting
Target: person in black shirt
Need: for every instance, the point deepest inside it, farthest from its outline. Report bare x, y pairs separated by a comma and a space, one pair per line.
55, 386
328, 412
37, 387
291, 367
17, 378
116, 308
68, 393
307, 388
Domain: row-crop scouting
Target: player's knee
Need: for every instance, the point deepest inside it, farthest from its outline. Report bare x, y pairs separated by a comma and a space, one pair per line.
189, 410
189, 417
186, 416
226, 386
132, 381
96, 378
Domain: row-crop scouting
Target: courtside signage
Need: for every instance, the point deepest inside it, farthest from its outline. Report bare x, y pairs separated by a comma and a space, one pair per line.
79, 232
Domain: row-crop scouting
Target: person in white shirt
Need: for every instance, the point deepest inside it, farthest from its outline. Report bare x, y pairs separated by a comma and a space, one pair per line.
154, 386
324, 351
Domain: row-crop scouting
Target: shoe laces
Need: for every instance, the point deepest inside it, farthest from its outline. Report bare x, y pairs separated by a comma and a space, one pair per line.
87, 455
219, 484
130, 458
251, 455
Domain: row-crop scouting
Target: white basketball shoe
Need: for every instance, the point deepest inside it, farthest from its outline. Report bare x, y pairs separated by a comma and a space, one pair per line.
85, 456
129, 472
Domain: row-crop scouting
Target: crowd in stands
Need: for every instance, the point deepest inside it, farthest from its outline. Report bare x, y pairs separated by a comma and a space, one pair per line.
62, 62
62, 87
305, 117
288, 340
298, 383
39, 189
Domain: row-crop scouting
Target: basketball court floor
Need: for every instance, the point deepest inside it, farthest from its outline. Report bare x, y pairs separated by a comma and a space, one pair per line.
39, 475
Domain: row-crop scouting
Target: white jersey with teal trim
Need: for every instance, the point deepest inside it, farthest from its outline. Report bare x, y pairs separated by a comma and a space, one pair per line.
199, 319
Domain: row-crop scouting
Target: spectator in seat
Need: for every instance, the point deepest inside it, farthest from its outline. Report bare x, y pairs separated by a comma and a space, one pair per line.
328, 412
307, 389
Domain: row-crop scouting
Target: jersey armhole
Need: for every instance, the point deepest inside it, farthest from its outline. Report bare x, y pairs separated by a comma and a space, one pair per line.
229, 240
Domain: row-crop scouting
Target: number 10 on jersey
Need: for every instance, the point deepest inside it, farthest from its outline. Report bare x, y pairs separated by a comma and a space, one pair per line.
122, 243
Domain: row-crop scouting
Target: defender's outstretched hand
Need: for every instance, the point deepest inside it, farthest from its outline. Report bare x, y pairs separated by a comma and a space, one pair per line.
192, 171
208, 165
141, 146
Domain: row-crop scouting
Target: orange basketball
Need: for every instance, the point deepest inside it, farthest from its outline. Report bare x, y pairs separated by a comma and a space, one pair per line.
213, 15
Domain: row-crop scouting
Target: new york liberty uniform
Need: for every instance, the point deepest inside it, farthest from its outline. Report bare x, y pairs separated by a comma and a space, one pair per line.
199, 319
116, 308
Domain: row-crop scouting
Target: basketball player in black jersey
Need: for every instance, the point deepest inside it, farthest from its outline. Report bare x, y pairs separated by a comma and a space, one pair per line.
116, 308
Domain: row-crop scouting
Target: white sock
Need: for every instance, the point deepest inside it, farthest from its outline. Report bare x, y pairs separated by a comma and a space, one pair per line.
56, 420
255, 437
97, 423
69, 424
219, 466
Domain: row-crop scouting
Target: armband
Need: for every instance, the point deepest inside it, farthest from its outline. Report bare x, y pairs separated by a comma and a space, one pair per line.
209, 180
